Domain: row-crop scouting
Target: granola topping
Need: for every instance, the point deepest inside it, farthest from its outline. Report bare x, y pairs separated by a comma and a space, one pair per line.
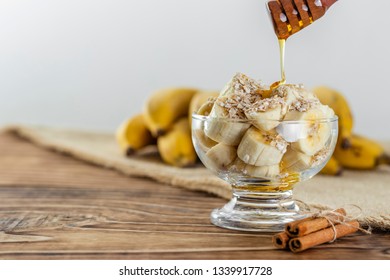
286, 90
266, 104
211, 100
246, 92
277, 141
320, 157
304, 105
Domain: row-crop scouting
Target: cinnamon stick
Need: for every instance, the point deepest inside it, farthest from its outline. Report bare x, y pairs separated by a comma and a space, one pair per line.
281, 240
313, 224
300, 244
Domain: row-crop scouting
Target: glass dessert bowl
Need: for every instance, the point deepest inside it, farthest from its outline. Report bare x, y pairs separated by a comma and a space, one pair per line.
263, 143
262, 168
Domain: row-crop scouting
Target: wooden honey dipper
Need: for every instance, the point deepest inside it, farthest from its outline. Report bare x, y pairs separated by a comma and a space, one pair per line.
291, 16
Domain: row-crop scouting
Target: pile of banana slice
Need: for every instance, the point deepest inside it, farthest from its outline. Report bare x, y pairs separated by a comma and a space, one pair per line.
246, 130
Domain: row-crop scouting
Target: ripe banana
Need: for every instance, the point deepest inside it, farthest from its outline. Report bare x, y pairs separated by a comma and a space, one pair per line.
264, 172
260, 148
315, 133
339, 104
363, 154
165, 107
332, 167
221, 129
133, 135
199, 100
175, 147
222, 155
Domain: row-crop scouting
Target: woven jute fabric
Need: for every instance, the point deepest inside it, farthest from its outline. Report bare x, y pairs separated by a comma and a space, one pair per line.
368, 190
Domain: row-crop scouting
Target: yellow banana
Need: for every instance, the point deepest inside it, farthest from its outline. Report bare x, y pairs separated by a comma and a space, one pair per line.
165, 107
332, 167
133, 135
363, 154
198, 100
175, 147
339, 104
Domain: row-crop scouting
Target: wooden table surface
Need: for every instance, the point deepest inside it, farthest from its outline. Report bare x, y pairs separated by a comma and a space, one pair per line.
55, 207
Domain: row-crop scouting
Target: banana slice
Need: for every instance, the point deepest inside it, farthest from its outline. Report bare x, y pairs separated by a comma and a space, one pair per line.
241, 83
294, 161
221, 155
316, 131
291, 93
207, 107
292, 132
271, 171
204, 142
266, 114
221, 129
260, 148
238, 95
200, 98
238, 166
224, 124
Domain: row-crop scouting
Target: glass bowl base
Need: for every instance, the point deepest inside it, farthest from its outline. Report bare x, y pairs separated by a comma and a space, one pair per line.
260, 215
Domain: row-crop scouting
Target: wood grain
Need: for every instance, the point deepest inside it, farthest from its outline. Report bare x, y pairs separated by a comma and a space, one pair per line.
55, 207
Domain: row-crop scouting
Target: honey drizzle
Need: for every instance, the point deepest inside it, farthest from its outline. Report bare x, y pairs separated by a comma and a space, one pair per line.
282, 50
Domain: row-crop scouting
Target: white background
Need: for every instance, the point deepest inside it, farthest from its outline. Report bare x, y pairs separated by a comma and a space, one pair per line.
92, 63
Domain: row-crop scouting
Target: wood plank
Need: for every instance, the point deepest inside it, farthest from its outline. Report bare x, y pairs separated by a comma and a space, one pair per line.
55, 207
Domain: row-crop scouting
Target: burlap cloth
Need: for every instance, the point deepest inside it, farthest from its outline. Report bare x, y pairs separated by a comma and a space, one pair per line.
370, 190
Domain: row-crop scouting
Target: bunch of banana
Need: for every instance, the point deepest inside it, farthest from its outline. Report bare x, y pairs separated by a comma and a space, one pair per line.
176, 147
133, 135
362, 154
352, 151
165, 122
165, 107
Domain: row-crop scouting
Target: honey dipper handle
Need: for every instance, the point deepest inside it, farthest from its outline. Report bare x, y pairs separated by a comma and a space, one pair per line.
291, 16
328, 3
